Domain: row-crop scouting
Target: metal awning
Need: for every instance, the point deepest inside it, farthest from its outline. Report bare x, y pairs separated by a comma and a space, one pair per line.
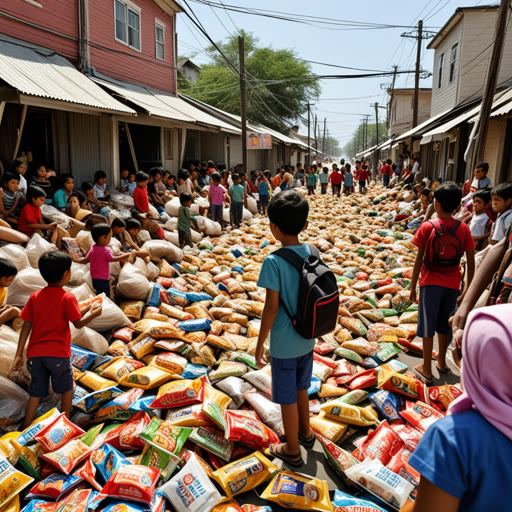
426, 124
37, 72
161, 104
382, 145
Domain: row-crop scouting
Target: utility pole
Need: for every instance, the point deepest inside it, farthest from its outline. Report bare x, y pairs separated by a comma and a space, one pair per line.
417, 76
366, 130
309, 136
376, 153
490, 87
323, 141
243, 101
388, 120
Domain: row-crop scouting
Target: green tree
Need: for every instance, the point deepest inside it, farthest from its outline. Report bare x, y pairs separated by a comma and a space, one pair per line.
278, 86
355, 144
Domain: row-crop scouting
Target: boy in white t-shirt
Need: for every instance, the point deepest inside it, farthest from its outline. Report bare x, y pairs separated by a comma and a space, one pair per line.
501, 205
479, 224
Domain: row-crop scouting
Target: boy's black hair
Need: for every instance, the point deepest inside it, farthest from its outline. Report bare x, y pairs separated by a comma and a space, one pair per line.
185, 197
484, 195
118, 223
325, 169
449, 196
348, 166
87, 185
183, 174
235, 176
17, 163
79, 195
98, 175
154, 171
99, 230
425, 192
389, 161
63, 178
172, 176
288, 210
132, 224
358, 162
141, 176
267, 174
53, 265
34, 192
8, 176
241, 174
216, 177
342, 161
484, 166
7, 268
504, 190
211, 164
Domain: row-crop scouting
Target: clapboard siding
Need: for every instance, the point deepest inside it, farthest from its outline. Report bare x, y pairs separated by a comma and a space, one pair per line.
57, 15
445, 97
118, 60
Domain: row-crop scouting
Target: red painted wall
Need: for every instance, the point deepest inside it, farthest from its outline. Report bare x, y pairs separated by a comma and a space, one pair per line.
57, 15
118, 60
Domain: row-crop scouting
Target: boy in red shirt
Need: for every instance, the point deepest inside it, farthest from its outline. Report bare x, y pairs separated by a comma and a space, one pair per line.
439, 261
47, 315
387, 171
140, 198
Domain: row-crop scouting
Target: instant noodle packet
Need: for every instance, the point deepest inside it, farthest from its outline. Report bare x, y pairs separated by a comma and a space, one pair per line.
291, 490
67, 457
352, 414
382, 443
260, 379
338, 458
399, 464
179, 393
343, 502
37, 425
97, 399
191, 490
244, 474
215, 404
255, 508
250, 432
235, 388
54, 487
444, 395
330, 429
213, 441
118, 409
406, 385
88, 473
58, 433
95, 382
165, 435
107, 461
13, 505
12, 481
148, 377
29, 460
126, 436
10, 447
120, 367
421, 415
192, 416
132, 483
170, 362
228, 369
387, 403
159, 458
81, 358
125, 334
408, 434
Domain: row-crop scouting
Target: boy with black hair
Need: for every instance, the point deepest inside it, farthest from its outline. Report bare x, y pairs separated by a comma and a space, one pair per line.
480, 223
291, 356
441, 244
100, 257
47, 315
238, 197
217, 194
501, 197
101, 191
8, 272
184, 218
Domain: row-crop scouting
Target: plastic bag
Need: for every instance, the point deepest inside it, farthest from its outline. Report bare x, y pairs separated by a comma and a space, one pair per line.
348, 503
85, 241
252, 433
58, 433
89, 339
13, 400
110, 318
172, 207
15, 254
51, 214
159, 249
122, 201
25, 283
36, 247
132, 284
12, 481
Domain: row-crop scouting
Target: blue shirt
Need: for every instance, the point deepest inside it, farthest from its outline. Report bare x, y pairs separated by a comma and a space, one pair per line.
467, 457
311, 180
60, 198
237, 193
279, 275
349, 179
263, 189
132, 187
324, 178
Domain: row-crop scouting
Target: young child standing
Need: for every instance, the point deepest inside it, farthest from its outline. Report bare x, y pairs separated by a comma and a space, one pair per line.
238, 199
479, 223
454, 474
185, 217
130, 189
324, 180
264, 191
291, 356
100, 257
47, 315
311, 179
140, 198
349, 180
438, 260
217, 194
40, 179
501, 205
8, 272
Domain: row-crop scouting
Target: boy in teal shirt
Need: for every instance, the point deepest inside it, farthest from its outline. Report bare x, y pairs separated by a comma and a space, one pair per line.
291, 355
184, 218
238, 198
324, 179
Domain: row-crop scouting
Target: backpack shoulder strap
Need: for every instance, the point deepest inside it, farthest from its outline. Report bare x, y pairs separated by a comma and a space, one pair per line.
455, 226
314, 250
437, 226
291, 257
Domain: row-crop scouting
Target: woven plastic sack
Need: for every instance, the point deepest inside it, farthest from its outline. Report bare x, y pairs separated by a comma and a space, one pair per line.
16, 254
13, 400
25, 283
82, 292
110, 318
132, 284
252, 205
36, 247
78, 273
51, 214
172, 207
159, 249
85, 241
89, 339
122, 201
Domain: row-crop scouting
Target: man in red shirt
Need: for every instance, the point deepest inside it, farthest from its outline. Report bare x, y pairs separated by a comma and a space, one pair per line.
336, 179
387, 171
362, 176
47, 315
278, 179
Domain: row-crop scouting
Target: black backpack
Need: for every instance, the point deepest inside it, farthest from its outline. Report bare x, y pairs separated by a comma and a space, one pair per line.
318, 301
443, 250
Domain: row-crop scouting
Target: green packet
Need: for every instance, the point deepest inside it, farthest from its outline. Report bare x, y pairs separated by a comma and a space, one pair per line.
157, 457
161, 434
213, 441
244, 357
354, 397
387, 351
389, 312
29, 460
89, 437
349, 354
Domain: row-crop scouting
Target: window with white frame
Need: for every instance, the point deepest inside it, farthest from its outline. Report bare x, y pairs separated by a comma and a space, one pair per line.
127, 23
453, 62
440, 71
159, 40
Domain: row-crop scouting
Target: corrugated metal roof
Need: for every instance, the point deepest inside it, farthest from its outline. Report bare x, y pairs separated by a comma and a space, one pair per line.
422, 126
37, 71
161, 104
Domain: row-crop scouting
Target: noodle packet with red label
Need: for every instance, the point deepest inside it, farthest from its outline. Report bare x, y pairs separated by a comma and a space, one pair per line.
58, 433
88, 473
399, 465
158, 458
53, 487
250, 432
179, 393
408, 434
444, 395
338, 458
255, 508
126, 436
36, 426
421, 415
405, 385
67, 457
382, 443
118, 408
108, 460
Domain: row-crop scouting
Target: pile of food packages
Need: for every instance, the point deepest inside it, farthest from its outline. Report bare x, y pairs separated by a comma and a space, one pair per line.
171, 411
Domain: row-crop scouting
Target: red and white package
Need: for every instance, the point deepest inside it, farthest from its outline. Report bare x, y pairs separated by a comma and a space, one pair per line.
399, 464
421, 415
250, 432
125, 334
382, 443
126, 436
88, 472
58, 433
66, 458
409, 435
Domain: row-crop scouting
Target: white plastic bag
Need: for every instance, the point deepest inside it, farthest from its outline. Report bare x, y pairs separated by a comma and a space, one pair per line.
111, 316
143, 236
89, 339
36, 247
196, 237
122, 201
247, 215
172, 207
159, 249
85, 241
171, 224
8, 348
252, 205
153, 271
25, 283
172, 237
16, 254
208, 227
132, 284
82, 292
78, 273
13, 400
51, 213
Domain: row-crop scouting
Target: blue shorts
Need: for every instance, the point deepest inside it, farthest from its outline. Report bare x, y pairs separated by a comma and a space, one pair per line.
101, 286
437, 305
42, 369
217, 212
290, 376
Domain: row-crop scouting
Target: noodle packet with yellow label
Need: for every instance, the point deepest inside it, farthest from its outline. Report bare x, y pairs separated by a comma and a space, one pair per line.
12, 481
215, 404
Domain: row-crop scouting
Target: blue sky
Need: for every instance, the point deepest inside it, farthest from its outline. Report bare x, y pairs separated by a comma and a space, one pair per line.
368, 49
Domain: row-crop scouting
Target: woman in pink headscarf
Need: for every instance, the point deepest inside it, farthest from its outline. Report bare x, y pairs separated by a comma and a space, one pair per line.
465, 458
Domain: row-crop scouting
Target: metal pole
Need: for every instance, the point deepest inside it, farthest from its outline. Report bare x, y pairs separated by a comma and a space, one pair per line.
243, 100
376, 153
309, 135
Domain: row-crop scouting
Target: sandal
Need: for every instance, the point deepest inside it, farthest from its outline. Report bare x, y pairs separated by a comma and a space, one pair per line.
427, 380
307, 442
294, 461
